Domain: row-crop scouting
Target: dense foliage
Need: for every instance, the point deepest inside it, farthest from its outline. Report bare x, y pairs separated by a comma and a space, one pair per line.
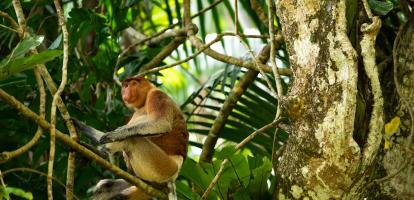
99, 32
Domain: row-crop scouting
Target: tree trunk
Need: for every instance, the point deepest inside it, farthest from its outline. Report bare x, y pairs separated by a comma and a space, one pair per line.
322, 160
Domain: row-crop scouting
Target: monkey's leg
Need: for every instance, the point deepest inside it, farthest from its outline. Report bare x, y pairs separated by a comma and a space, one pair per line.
110, 189
134, 193
150, 162
172, 195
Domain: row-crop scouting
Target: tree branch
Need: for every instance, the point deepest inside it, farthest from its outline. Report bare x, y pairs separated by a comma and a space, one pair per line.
260, 12
165, 52
23, 169
275, 44
228, 105
7, 155
161, 34
11, 20
62, 85
42, 69
195, 41
376, 123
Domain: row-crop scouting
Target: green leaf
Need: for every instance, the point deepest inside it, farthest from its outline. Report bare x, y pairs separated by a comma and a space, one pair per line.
4, 194
178, 10
168, 11
192, 171
184, 191
236, 175
242, 194
258, 185
21, 49
216, 20
20, 64
15, 80
25, 46
81, 22
19, 192
380, 7
55, 44
226, 152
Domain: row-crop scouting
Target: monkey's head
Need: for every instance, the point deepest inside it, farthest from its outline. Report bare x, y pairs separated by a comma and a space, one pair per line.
134, 91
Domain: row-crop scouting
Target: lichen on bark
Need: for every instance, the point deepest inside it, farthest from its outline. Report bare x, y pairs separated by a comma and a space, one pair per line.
321, 157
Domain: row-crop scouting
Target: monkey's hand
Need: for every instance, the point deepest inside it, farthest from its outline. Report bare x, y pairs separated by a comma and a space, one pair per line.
106, 139
89, 131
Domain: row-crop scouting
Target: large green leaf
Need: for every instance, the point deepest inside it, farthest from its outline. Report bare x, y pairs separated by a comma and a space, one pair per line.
255, 109
23, 47
380, 7
20, 64
6, 191
184, 191
194, 173
260, 174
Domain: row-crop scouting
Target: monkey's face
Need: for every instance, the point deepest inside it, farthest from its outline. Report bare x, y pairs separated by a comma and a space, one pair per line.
134, 91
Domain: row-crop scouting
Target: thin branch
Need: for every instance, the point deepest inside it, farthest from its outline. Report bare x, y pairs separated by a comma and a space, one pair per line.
10, 29
274, 46
42, 68
259, 11
198, 43
404, 97
257, 64
1, 180
165, 52
23, 169
158, 35
367, 9
376, 123
62, 85
236, 17
25, 111
237, 91
238, 146
198, 52
274, 68
70, 173
5, 156
195, 41
12, 22
169, 34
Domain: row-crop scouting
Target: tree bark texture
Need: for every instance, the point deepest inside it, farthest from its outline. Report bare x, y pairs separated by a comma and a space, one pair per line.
322, 160
398, 162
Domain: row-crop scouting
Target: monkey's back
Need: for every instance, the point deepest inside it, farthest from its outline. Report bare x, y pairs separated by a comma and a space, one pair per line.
174, 142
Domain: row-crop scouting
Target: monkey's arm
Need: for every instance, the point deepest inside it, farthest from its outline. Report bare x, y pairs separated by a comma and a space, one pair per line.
143, 128
159, 120
89, 131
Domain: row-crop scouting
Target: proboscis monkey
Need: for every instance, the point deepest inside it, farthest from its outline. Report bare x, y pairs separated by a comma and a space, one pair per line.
154, 142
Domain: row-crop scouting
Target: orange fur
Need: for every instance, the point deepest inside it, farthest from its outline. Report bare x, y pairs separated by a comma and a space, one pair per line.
153, 158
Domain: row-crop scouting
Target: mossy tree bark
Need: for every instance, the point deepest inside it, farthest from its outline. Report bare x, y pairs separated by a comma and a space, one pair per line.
334, 151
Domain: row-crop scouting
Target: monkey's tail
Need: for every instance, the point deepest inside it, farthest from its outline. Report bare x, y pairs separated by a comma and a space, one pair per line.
172, 194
